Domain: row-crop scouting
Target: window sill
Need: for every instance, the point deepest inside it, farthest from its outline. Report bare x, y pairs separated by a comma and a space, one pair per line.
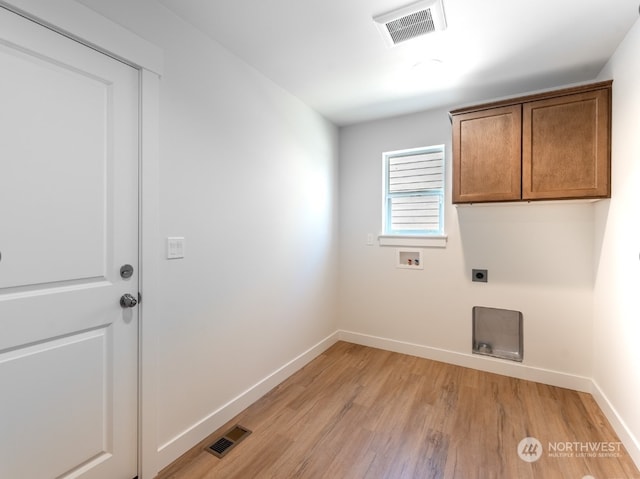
413, 241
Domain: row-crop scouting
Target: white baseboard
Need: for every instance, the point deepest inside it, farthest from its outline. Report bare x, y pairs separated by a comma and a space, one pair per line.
173, 449
482, 363
628, 439
177, 446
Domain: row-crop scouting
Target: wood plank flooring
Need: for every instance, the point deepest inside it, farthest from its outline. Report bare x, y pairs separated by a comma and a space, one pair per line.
358, 412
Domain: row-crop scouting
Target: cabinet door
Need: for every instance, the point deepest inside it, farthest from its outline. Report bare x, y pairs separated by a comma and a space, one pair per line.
486, 155
566, 147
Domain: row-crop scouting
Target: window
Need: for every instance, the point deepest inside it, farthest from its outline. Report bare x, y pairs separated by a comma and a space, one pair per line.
413, 192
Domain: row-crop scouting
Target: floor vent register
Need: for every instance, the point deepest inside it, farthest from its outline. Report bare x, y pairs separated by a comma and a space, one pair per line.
228, 441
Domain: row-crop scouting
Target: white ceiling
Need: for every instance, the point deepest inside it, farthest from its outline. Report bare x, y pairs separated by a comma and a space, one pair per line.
330, 54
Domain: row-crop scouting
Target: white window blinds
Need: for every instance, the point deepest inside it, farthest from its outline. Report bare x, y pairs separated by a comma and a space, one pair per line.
414, 191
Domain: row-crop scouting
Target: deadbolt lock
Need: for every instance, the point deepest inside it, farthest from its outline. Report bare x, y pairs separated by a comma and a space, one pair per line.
126, 271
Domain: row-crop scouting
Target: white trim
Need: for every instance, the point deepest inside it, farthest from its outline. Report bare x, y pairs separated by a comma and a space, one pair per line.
188, 438
630, 441
184, 441
413, 241
89, 27
517, 370
482, 363
436, 151
149, 261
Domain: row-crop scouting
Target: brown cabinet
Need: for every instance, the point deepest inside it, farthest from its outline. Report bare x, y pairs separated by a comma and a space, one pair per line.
554, 145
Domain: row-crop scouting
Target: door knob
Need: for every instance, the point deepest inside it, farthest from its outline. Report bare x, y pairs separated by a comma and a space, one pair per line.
128, 301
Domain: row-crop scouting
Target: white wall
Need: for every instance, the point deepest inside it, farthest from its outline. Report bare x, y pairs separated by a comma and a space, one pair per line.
258, 286
617, 243
248, 175
539, 258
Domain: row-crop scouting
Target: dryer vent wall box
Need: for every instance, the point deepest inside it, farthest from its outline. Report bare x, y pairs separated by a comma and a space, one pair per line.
498, 332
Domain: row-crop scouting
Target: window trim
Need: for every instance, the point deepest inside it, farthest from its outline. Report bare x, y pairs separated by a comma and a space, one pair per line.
416, 241
405, 238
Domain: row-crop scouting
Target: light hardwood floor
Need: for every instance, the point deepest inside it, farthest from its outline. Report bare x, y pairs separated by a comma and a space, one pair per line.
358, 412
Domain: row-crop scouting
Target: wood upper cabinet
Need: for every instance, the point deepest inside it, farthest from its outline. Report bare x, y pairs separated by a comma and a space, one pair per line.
486, 155
555, 145
565, 147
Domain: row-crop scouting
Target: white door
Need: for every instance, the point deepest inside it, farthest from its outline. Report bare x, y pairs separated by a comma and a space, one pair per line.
68, 222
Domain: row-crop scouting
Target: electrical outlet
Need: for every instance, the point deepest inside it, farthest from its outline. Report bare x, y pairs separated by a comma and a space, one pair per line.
479, 275
370, 239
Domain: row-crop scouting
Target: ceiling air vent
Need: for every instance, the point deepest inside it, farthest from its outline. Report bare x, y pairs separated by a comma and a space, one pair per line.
411, 21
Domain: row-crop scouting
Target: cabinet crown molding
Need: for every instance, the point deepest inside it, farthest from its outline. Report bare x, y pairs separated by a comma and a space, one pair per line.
540, 95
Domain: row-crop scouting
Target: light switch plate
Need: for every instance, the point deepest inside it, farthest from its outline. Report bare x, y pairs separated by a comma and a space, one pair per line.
175, 247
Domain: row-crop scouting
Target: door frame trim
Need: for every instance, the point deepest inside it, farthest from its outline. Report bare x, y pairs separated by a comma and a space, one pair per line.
86, 26
149, 254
